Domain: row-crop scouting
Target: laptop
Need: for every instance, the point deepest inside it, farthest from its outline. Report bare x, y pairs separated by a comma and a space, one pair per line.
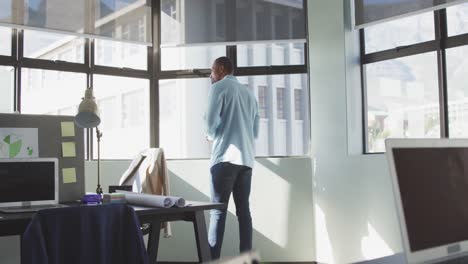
28, 185
430, 183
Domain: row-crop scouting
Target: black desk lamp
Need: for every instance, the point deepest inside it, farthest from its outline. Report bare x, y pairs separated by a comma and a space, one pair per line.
88, 117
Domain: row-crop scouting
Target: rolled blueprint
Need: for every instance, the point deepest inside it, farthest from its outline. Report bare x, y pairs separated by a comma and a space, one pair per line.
152, 200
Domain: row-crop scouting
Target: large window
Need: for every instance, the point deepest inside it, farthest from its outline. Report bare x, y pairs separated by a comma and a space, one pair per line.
275, 71
414, 80
155, 96
55, 71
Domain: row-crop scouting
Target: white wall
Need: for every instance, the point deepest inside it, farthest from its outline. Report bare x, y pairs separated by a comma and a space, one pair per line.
281, 207
355, 217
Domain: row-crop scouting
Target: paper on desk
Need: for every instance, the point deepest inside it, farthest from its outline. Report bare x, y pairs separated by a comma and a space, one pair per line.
69, 175
152, 200
68, 149
68, 129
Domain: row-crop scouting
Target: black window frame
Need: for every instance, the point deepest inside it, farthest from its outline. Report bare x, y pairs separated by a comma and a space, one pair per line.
153, 73
440, 44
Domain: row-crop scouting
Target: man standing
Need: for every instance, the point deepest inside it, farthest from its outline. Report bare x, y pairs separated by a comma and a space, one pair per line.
232, 124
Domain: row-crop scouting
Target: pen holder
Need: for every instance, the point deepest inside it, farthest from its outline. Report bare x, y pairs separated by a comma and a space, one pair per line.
91, 199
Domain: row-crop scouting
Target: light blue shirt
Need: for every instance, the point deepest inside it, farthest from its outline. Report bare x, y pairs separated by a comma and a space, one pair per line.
232, 122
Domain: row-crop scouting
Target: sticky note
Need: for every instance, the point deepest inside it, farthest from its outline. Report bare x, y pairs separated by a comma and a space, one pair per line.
68, 129
69, 175
68, 149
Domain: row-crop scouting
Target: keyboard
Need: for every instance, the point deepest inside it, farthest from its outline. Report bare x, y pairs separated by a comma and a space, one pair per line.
458, 260
34, 208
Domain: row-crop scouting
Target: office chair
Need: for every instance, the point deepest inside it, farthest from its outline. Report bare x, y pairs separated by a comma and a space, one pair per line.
148, 173
106, 234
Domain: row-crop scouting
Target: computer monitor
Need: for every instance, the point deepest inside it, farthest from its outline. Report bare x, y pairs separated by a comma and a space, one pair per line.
430, 183
28, 182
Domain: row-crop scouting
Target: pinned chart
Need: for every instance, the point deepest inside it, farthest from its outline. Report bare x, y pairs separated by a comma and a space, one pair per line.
68, 149
69, 175
68, 129
19, 142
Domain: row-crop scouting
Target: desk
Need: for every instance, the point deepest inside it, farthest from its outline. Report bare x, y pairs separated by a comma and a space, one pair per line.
393, 259
15, 224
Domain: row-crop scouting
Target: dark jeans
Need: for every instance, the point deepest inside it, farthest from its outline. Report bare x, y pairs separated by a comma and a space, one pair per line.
227, 178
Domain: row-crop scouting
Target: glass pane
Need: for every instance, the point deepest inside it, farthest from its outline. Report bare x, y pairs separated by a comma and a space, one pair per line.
270, 54
124, 109
402, 99
372, 11
457, 82
183, 102
52, 46
64, 16
7, 89
121, 54
128, 20
457, 19
51, 92
181, 58
5, 11
5, 40
400, 32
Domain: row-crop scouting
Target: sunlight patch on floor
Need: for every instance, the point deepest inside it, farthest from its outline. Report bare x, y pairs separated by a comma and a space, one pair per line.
323, 244
373, 246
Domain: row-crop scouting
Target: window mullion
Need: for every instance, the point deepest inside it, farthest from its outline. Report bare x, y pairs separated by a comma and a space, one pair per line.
440, 20
19, 45
231, 53
88, 60
154, 68
400, 52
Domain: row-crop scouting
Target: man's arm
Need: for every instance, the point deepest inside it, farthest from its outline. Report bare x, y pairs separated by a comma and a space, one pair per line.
213, 113
256, 121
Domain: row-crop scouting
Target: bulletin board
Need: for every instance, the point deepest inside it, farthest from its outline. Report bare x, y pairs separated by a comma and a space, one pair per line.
55, 137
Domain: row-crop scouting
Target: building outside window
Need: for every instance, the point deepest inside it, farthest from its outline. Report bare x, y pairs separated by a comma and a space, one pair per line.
280, 108
262, 101
298, 108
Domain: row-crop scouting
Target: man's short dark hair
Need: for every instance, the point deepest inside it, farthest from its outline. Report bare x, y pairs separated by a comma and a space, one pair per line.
226, 63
